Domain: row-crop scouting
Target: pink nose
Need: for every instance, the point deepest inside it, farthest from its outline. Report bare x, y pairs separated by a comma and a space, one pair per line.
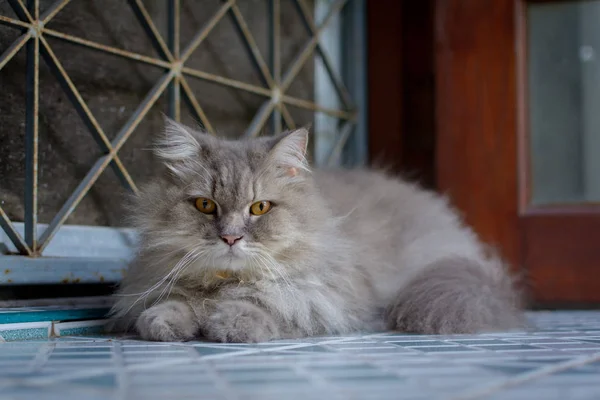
230, 239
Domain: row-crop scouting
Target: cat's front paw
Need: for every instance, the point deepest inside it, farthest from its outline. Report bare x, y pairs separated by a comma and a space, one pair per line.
171, 321
240, 322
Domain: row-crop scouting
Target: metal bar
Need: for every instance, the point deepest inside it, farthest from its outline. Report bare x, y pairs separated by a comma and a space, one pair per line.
34, 8
309, 105
137, 116
275, 56
31, 142
259, 120
100, 165
203, 33
303, 56
20, 10
174, 25
146, 21
354, 69
251, 46
287, 117
14, 49
12, 234
53, 10
85, 113
73, 200
13, 22
174, 99
107, 49
227, 81
53, 270
310, 46
173, 30
336, 79
193, 104
338, 147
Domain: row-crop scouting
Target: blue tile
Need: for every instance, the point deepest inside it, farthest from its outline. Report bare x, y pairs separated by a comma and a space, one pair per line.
445, 349
104, 381
24, 334
50, 314
209, 351
511, 347
409, 343
477, 342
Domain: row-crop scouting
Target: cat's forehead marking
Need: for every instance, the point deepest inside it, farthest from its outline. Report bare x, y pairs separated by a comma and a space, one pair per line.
233, 180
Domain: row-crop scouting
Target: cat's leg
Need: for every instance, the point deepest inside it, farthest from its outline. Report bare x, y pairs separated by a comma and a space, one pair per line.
169, 321
456, 295
240, 321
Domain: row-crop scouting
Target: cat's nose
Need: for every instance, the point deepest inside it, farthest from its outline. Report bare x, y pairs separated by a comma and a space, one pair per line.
230, 239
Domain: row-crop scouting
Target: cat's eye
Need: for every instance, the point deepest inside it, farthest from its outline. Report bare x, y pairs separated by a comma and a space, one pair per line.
260, 207
204, 205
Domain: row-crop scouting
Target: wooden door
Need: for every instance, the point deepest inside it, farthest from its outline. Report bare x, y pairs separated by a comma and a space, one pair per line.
503, 103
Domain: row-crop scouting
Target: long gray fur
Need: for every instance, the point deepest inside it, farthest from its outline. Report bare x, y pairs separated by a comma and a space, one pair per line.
340, 251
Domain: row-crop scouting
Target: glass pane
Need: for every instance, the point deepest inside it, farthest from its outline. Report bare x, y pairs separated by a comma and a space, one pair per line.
564, 101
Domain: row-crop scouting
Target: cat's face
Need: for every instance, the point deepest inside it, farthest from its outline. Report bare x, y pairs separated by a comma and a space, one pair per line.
232, 205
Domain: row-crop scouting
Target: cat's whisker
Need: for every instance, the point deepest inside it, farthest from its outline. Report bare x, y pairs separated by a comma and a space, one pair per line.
189, 259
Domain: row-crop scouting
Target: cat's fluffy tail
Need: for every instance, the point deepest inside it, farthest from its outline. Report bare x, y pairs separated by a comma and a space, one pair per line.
457, 295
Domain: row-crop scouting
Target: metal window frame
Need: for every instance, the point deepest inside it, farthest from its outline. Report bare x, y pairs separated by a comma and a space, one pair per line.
30, 257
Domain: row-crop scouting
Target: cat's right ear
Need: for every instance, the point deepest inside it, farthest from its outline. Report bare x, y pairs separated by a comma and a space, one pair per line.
176, 143
179, 146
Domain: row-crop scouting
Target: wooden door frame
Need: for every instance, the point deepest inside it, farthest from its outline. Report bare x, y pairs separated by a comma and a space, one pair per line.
482, 152
401, 87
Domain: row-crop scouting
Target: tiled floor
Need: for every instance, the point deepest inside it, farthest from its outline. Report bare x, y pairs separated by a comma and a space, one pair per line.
559, 360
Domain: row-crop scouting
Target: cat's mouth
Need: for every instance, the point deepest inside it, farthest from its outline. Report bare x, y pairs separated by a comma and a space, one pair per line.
233, 257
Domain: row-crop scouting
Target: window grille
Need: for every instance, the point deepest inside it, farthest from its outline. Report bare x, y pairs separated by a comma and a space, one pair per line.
58, 251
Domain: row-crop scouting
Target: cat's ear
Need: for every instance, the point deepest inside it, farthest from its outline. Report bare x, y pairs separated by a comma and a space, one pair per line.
177, 142
179, 147
289, 151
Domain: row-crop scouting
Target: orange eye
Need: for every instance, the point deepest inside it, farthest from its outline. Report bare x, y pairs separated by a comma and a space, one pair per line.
260, 207
206, 206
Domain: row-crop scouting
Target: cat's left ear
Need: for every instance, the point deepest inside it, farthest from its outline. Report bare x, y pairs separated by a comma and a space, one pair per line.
289, 151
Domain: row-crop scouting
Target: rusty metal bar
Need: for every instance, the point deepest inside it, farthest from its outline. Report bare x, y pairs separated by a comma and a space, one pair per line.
146, 21
85, 113
173, 31
174, 99
151, 98
20, 10
261, 117
336, 79
251, 46
227, 81
193, 104
34, 8
31, 141
301, 58
338, 147
53, 10
12, 234
287, 117
101, 164
107, 49
174, 26
309, 105
13, 22
14, 49
203, 33
274, 19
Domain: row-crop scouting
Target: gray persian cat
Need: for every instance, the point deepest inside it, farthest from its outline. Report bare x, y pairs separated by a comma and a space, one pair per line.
242, 242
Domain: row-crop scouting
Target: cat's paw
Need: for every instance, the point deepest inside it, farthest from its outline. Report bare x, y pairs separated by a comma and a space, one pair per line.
171, 321
240, 322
